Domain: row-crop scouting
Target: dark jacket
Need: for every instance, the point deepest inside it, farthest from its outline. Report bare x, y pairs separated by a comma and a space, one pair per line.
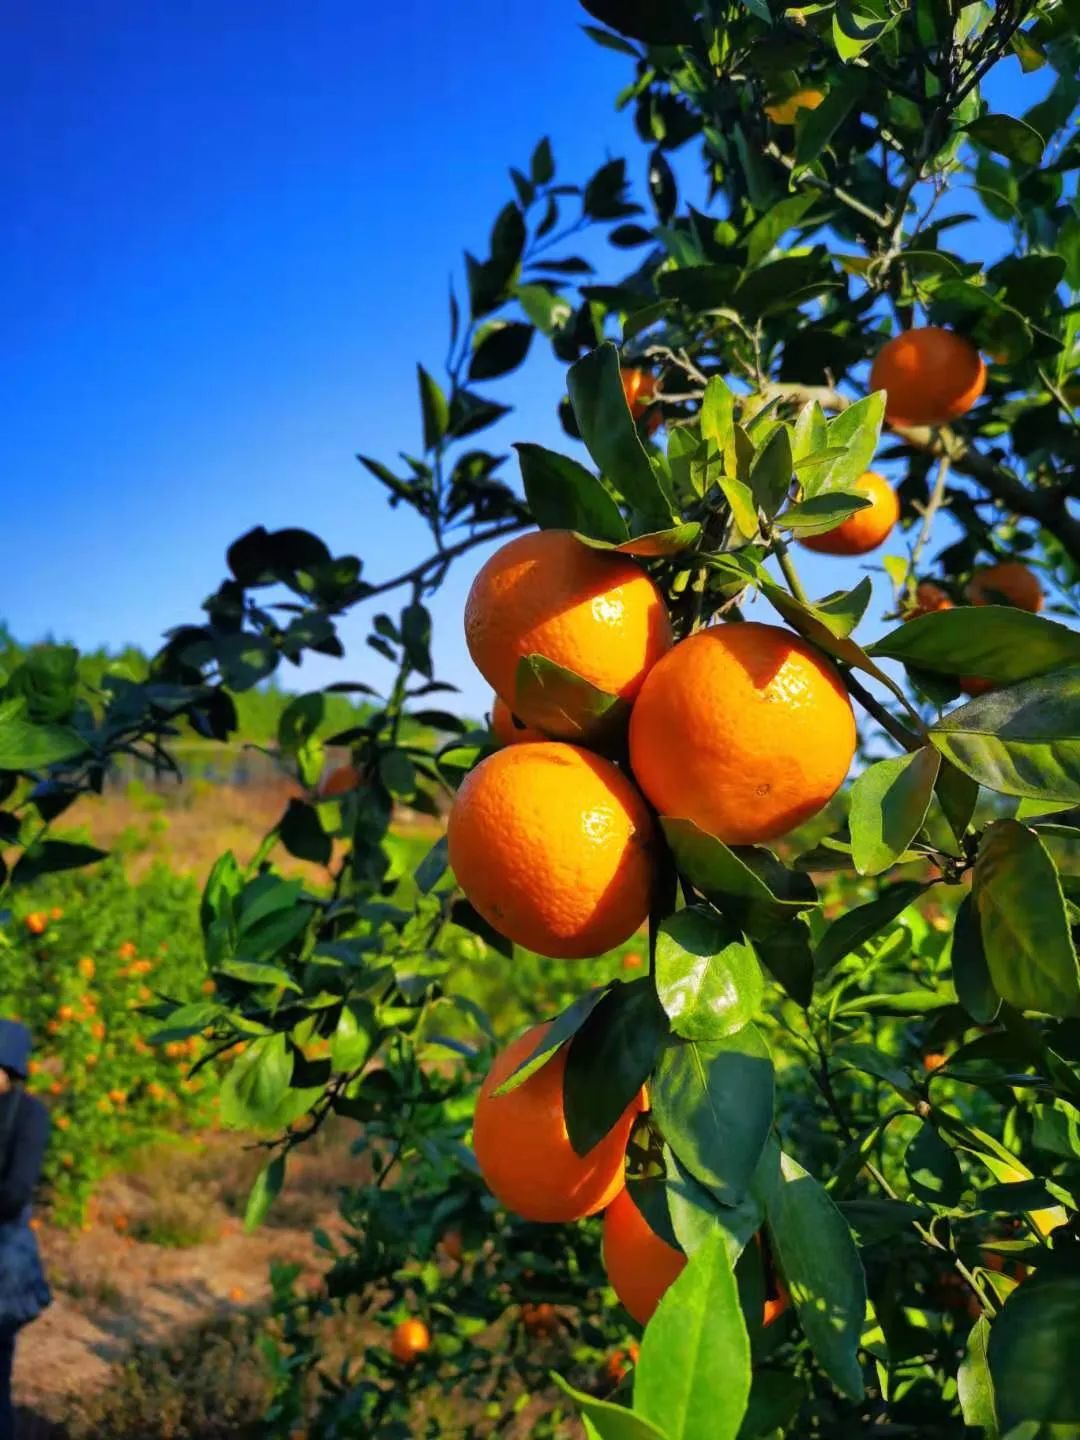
24, 1134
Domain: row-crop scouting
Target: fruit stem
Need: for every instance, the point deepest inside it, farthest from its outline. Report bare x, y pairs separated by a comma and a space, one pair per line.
787, 566
888, 722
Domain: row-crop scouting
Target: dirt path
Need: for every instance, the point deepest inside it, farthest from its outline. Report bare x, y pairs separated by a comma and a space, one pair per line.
112, 1291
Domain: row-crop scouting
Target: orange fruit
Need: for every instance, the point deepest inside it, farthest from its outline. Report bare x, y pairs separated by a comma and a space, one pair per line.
974, 685
410, 1339
639, 387
87, 967
866, 529
1008, 583
745, 729
619, 1362
929, 598
929, 376
539, 1319
522, 1147
933, 1060
339, 782
594, 612
37, 923
506, 729
783, 112
554, 847
128, 950
640, 1266
631, 961
56, 913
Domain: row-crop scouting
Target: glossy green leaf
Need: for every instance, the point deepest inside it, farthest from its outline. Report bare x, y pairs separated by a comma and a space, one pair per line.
743, 506
974, 1384
256, 1084
264, 1192
433, 405
746, 882
821, 513
933, 1170
563, 495
561, 1029
1056, 1128
996, 642
303, 835
775, 1398
1032, 1352
787, 955
564, 705
775, 224
46, 857
889, 802
816, 1255
501, 349
1007, 136
810, 433
695, 1212
1024, 740
1024, 925
611, 1056
693, 1375
957, 794
610, 435
714, 1104
351, 1042
718, 421
25, 745
770, 472
971, 973
857, 926
672, 541
609, 1421
855, 432
707, 976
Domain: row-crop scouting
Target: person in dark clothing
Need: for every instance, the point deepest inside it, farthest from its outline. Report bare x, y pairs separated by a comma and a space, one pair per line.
24, 1134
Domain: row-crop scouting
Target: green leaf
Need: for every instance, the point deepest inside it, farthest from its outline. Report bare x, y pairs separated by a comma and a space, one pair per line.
1032, 1352
770, 472
853, 33
707, 976
416, 637
842, 610
300, 720
822, 513
811, 432
693, 1375
610, 1422
547, 310
746, 882
714, 1104
264, 1192
1025, 928
563, 495
957, 794
48, 856
889, 802
256, 1084
1056, 1128
718, 421
775, 1398
741, 499
671, 541
542, 164
353, 1037
432, 867
786, 954
858, 926
817, 1258
610, 435
815, 128
565, 705
502, 348
877, 1220
611, 1056
669, 23
561, 1029
434, 408
695, 1213
974, 1384
856, 432
1007, 136
1019, 741
971, 974
303, 835
258, 972
775, 224
26, 746
933, 1170
996, 642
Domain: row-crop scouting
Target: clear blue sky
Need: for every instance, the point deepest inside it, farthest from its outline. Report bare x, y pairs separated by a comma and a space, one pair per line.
229, 234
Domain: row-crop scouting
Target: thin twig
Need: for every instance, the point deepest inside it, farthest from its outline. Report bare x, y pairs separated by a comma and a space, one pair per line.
937, 495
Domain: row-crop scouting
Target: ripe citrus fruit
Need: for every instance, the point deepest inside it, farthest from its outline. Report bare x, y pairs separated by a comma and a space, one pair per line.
639, 1264
783, 112
522, 1147
933, 1060
593, 612
744, 729
866, 529
554, 847
620, 1362
504, 727
929, 598
639, 387
929, 376
539, 1319
1009, 583
339, 782
410, 1339
37, 923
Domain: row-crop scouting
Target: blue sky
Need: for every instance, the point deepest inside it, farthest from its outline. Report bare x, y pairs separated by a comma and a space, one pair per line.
229, 238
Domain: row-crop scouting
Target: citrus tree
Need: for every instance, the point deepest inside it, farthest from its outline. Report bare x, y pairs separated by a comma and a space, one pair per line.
832, 1127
